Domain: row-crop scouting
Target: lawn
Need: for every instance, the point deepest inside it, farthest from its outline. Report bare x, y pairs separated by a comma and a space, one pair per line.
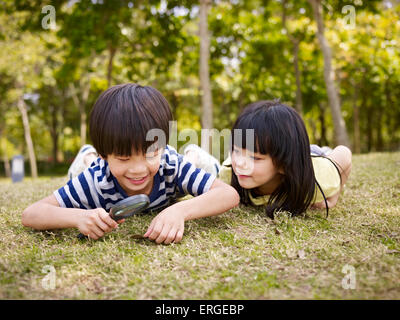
241, 254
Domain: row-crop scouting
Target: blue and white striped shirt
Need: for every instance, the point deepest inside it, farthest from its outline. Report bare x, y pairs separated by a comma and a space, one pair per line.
96, 187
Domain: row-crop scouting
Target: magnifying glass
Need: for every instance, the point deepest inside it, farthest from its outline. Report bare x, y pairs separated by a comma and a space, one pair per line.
127, 208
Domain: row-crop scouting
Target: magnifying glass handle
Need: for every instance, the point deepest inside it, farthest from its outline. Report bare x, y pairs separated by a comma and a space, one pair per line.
81, 236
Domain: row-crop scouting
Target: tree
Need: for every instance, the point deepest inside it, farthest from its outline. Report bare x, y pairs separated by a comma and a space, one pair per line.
156, 42
333, 96
206, 97
28, 138
295, 39
23, 70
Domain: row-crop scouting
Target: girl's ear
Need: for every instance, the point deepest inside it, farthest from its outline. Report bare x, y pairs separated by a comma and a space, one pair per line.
280, 170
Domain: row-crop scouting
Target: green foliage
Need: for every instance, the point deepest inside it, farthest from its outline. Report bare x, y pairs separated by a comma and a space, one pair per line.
101, 43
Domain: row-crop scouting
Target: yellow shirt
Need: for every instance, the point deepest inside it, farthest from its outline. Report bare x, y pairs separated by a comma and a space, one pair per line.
325, 172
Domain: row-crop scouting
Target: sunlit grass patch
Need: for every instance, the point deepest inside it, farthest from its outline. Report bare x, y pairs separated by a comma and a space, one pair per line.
241, 254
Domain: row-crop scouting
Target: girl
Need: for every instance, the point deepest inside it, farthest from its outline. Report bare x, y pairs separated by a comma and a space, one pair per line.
280, 172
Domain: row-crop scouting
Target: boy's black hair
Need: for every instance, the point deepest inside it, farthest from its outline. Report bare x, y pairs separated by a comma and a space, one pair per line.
123, 115
279, 132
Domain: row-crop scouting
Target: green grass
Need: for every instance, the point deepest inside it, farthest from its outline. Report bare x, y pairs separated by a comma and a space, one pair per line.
238, 255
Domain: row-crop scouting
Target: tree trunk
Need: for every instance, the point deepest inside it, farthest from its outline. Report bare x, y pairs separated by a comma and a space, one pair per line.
83, 128
112, 52
54, 133
391, 113
299, 98
7, 167
370, 114
6, 160
28, 139
323, 141
82, 110
356, 121
174, 104
296, 44
379, 137
313, 127
333, 96
81, 105
206, 101
241, 103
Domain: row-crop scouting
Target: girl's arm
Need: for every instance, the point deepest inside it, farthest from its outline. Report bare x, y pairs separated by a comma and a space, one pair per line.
168, 225
47, 214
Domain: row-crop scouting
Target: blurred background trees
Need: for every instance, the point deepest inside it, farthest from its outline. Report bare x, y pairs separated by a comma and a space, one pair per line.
337, 62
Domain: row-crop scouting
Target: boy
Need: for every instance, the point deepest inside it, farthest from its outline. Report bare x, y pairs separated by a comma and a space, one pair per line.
129, 164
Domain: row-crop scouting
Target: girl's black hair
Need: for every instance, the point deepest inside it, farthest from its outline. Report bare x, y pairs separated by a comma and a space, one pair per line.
123, 115
279, 132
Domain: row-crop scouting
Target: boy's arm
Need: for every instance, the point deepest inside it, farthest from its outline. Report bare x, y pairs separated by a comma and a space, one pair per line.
47, 214
168, 225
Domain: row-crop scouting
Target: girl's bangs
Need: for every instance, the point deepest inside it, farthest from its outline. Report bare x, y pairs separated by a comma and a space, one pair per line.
252, 134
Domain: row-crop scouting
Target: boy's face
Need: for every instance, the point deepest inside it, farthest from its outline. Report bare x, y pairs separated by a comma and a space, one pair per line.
135, 173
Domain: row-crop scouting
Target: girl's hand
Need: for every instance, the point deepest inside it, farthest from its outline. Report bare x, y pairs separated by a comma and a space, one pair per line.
95, 223
167, 226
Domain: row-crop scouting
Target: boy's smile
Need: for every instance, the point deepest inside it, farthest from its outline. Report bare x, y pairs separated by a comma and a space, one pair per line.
137, 181
135, 173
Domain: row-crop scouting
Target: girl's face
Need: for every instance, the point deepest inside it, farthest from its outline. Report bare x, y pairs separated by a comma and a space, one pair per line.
255, 170
135, 173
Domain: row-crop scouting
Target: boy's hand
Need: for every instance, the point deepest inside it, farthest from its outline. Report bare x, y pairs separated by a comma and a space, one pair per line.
167, 226
95, 223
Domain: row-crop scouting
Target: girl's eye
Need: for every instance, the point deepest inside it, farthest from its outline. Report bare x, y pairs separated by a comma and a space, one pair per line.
236, 151
123, 160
